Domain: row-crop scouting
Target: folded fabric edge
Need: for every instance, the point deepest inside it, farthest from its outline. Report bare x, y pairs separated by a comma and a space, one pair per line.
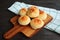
30, 4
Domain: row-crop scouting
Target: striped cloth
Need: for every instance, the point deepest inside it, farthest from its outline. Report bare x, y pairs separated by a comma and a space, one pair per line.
54, 25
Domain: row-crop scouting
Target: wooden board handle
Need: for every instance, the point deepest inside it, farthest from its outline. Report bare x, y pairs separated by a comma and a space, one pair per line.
12, 32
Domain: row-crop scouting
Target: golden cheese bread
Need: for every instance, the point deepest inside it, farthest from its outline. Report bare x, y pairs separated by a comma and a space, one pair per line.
33, 12
22, 11
42, 15
24, 20
36, 23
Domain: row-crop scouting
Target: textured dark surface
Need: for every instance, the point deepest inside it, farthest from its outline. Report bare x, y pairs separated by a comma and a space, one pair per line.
5, 16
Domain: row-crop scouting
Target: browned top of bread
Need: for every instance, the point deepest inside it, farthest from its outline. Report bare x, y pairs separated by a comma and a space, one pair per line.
37, 21
23, 10
23, 18
41, 12
33, 9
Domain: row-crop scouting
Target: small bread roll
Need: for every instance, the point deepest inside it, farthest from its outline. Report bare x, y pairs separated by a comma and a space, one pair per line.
33, 12
24, 20
36, 23
42, 15
23, 11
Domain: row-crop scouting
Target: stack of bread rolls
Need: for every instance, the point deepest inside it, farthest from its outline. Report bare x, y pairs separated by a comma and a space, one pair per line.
32, 16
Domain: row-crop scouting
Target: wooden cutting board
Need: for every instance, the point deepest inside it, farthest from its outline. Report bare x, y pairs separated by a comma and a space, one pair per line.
26, 30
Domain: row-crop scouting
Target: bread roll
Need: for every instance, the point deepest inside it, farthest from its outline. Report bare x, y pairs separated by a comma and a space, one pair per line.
24, 20
33, 12
36, 23
23, 11
42, 15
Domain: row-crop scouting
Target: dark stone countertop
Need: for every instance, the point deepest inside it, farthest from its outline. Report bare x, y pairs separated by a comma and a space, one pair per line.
5, 16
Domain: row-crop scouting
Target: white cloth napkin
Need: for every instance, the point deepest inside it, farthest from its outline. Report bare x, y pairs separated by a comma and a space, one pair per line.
54, 25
